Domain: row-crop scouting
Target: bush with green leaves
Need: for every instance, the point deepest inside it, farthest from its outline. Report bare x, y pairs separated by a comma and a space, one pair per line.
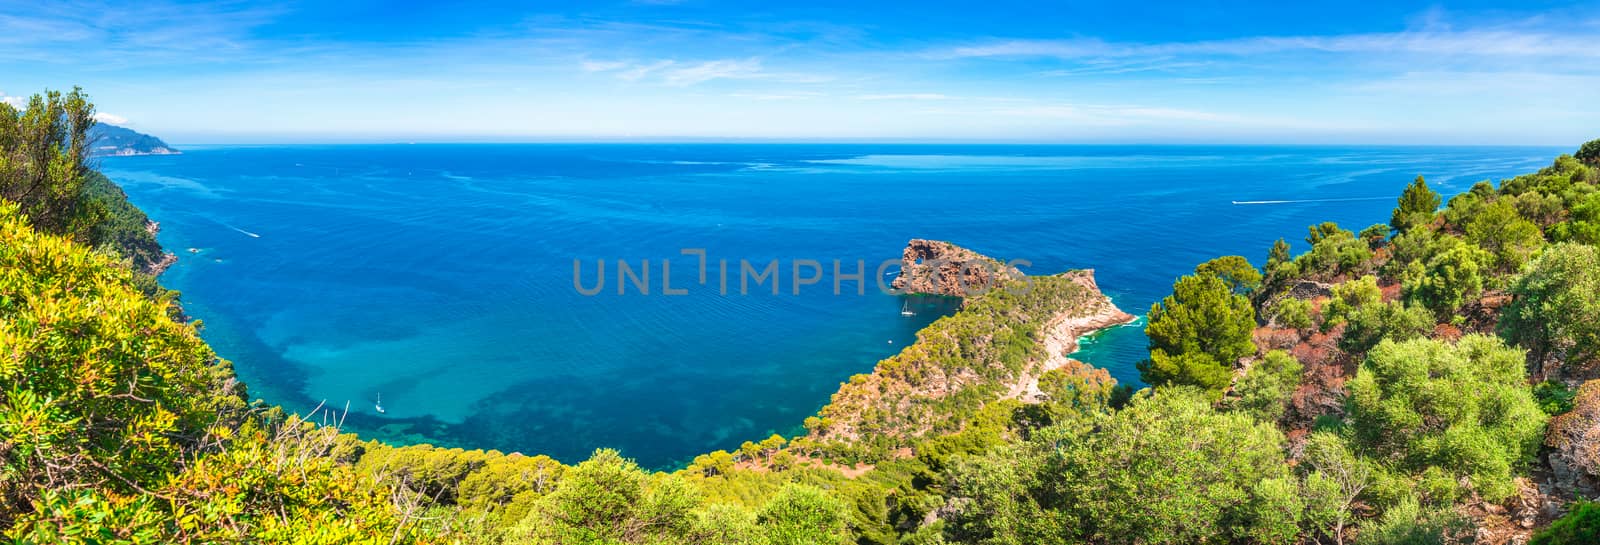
1334, 252
1580, 526
1293, 313
1336, 481
803, 515
101, 385
1348, 297
609, 500
1167, 469
1411, 523
1589, 152
1464, 408
1376, 235
1561, 285
1265, 388
1358, 304
1281, 266
1582, 225
1554, 397
1510, 238
1448, 279
118, 424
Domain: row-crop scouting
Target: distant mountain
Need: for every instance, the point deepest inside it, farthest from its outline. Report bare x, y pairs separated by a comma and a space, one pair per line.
113, 140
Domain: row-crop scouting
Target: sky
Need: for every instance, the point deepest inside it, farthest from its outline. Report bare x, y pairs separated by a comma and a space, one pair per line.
996, 71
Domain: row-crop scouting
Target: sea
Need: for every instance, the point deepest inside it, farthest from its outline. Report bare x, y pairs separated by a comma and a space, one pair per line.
668, 299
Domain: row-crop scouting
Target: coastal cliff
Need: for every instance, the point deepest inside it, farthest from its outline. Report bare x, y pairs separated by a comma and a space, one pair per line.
933, 267
996, 347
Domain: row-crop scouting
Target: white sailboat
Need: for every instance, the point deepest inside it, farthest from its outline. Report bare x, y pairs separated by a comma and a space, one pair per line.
379, 405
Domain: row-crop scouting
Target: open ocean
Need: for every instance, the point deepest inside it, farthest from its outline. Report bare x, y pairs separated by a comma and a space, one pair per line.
441, 277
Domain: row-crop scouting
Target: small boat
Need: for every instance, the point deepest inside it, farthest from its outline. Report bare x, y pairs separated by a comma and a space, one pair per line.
379, 405
905, 310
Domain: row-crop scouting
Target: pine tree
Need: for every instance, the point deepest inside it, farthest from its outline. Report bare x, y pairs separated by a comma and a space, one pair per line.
1417, 206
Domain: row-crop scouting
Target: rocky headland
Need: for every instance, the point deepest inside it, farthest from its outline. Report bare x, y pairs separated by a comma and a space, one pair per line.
1007, 334
934, 267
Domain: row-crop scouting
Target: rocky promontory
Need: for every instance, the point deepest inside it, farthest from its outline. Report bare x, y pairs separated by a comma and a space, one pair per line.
934, 267
113, 141
996, 347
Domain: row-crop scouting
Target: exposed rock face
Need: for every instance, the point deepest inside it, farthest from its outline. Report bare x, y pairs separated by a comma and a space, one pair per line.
940, 268
1574, 438
1306, 289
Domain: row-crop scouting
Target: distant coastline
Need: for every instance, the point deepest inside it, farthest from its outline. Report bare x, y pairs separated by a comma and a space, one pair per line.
113, 151
114, 141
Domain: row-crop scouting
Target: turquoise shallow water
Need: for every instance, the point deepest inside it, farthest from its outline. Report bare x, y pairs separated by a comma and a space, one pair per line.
441, 276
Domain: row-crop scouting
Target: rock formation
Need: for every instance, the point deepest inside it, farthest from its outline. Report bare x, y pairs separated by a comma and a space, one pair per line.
936, 267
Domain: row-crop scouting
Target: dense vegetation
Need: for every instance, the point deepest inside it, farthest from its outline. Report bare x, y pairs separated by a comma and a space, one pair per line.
1385, 386
45, 170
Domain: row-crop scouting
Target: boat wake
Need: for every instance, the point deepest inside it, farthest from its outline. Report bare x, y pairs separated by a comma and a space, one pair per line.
1298, 201
241, 231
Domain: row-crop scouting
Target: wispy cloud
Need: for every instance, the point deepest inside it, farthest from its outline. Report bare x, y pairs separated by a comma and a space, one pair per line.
113, 119
1494, 43
631, 69
136, 34
796, 95
710, 70
678, 74
1110, 114
904, 96
602, 66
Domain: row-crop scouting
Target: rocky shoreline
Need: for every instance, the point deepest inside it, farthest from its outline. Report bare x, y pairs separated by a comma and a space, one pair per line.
168, 259
1061, 335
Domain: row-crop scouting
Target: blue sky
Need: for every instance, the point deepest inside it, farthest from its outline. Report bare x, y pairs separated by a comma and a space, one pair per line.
1119, 72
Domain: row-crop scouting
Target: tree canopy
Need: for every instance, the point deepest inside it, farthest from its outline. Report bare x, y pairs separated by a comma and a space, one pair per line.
1198, 333
1416, 207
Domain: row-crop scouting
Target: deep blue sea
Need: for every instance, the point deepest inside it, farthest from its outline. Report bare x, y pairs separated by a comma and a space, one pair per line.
441, 277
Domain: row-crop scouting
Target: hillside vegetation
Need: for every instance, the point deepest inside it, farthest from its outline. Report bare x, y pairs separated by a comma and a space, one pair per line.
1412, 382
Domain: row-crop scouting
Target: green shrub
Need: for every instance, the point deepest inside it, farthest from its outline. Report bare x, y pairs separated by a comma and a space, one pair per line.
1554, 397
1464, 408
1264, 390
1580, 526
1293, 313
1589, 152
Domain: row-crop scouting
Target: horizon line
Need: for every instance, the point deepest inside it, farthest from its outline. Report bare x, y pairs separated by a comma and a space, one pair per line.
881, 141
